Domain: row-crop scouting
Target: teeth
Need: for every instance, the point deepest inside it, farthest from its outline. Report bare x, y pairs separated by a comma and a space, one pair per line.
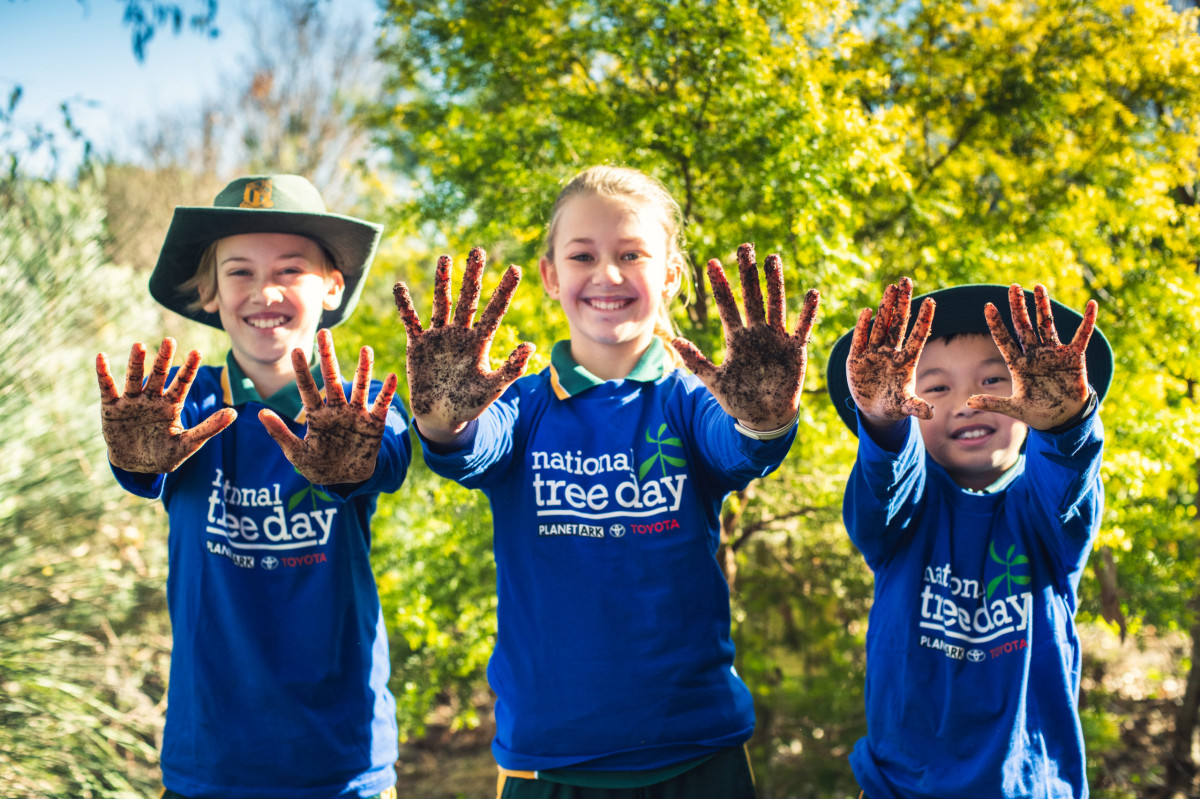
607, 305
977, 433
266, 324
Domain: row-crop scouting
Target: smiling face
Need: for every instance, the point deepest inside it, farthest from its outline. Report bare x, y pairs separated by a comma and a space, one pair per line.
271, 291
975, 447
612, 267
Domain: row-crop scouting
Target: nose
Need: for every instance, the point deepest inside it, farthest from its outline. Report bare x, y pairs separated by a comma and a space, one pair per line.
270, 291
610, 273
960, 404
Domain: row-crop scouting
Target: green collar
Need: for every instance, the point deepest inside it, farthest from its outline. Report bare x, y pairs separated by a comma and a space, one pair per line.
569, 378
286, 401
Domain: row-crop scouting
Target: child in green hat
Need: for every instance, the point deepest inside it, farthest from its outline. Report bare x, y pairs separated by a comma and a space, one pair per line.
975, 500
279, 667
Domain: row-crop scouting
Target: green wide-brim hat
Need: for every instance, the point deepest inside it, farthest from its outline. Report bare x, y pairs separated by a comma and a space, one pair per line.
960, 310
262, 204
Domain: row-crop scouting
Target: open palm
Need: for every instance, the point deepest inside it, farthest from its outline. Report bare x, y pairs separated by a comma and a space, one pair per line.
759, 381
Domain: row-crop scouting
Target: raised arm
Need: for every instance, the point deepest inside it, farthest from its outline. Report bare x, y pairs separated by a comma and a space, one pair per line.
881, 368
450, 380
760, 380
143, 425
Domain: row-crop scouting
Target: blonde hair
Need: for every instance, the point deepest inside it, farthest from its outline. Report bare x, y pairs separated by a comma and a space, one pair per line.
202, 286
633, 184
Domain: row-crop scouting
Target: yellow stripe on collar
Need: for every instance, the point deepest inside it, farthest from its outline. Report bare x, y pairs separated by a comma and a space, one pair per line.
559, 391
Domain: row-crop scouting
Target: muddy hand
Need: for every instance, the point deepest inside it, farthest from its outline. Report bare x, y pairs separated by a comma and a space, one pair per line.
760, 380
881, 368
143, 426
450, 381
1049, 379
341, 443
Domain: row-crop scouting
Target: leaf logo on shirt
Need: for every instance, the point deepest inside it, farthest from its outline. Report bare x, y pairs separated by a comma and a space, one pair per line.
1008, 578
660, 457
308, 491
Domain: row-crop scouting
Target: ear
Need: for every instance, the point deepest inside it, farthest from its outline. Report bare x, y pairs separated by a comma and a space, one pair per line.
335, 284
212, 306
675, 267
549, 277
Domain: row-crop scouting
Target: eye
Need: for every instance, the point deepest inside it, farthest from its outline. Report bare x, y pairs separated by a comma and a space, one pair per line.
992, 381
581, 257
934, 389
632, 255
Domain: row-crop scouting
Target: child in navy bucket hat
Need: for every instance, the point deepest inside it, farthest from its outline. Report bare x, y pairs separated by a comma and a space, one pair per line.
975, 499
270, 476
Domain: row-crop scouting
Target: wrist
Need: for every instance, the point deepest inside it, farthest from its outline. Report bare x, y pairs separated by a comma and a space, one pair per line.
766, 435
1089, 407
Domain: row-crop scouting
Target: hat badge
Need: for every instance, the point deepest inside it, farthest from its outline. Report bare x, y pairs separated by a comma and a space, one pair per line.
257, 194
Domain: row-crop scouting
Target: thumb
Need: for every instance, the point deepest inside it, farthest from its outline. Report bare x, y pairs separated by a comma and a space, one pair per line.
280, 432
701, 366
915, 406
513, 367
194, 438
990, 402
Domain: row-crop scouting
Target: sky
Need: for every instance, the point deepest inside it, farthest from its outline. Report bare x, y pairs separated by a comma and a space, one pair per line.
79, 51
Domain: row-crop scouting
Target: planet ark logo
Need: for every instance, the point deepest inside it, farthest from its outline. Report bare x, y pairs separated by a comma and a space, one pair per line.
962, 617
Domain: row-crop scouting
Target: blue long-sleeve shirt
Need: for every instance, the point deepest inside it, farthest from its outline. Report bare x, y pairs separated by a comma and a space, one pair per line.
279, 664
614, 649
973, 659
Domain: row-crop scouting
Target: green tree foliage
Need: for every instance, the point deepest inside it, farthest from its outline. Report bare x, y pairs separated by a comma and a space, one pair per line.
993, 141
83, 636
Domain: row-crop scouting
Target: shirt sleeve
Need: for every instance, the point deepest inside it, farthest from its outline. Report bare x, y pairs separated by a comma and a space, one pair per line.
884, 490
488, 452
1062, 490
730, 458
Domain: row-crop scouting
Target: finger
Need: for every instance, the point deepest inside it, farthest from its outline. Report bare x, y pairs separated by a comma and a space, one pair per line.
883, 317
702, 367
362, 378
897, 324
1083, 333
408, 314
994, 404
498, 304
861, 337
441, 293
1008, 347
512, 368
310, 395
334, 395
133, 371
752, 298
920, 332
182, 382
727, 308
278, 430
191, 440
1020, 317
812, 303
774, 272
468, 295
383, 400
108, 387
162, 365
915, 406
1045, 317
